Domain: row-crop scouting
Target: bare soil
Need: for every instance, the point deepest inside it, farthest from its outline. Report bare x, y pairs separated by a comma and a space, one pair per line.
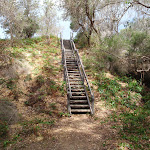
54, 130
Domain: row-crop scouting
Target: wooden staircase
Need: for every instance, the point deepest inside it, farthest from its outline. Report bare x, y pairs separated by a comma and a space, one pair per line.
78, 89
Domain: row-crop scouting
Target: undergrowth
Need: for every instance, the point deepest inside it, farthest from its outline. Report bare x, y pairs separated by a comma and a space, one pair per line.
129, 108
35, 65
129, 100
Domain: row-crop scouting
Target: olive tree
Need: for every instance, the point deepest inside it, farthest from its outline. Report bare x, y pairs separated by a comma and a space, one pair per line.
98, 16
18, 18
48, 19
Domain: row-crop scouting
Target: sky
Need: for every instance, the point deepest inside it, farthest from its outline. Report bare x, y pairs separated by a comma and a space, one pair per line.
2, 36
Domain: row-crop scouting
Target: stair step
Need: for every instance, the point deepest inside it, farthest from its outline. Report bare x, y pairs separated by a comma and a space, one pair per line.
72, 65
77, 86
68, 50
77, 90
76, 83
78, 97
70, 68
80, 111
80, 79
71, 62
73, 75
79, 106
72, 80
73, 71
78, 93
78, 102
68, 60
71, 58
75, 80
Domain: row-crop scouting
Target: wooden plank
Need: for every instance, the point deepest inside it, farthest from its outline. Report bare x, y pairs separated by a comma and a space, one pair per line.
80, 111
78, 102
79, 106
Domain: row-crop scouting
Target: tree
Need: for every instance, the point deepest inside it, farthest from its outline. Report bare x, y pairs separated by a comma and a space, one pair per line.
11, 17
82, 16
48, 18
18, 18
98, 16
30, 14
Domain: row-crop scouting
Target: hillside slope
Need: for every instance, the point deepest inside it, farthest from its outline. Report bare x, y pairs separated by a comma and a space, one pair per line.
33, 112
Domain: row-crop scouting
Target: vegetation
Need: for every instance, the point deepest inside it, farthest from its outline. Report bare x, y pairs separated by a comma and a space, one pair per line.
123, 93
25, 18
126, 91
32, 91
33, 64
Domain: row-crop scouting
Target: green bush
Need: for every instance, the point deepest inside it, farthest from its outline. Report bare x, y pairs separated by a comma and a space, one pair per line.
139, 43
81, 40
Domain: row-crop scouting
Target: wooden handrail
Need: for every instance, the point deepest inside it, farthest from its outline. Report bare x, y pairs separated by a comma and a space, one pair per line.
65, 66
84, 74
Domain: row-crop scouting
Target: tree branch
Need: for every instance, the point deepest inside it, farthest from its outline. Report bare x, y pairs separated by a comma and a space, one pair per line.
124, 12
139, 3
91, 17
109, 3
144, 12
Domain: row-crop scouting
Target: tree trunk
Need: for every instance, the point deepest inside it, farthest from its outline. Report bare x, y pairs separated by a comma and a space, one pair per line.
89, 38
11, 35
89, 41
48, 40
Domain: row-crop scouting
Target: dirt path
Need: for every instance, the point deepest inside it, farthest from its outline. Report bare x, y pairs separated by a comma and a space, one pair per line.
78, 132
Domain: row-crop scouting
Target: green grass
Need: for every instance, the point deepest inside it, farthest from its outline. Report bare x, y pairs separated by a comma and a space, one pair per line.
112, 92
53, 106
134, 118
43, 60
62, 114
